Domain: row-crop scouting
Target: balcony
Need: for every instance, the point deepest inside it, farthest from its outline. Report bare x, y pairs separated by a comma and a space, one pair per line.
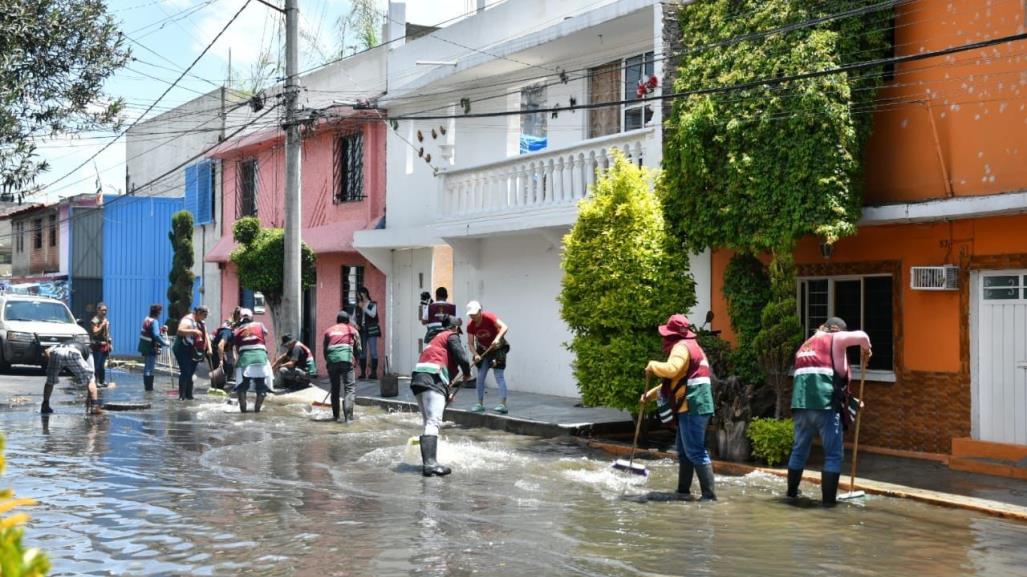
533, 190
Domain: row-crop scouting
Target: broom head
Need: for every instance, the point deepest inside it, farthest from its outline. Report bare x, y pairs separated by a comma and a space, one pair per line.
631, 467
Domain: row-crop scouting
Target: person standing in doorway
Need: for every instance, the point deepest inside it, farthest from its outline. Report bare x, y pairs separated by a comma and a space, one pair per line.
100, 343
821, 380
370, 330
341, 345
252, 364
190, 339
151, 339
430, 383
686, 387
433, 313
486, 336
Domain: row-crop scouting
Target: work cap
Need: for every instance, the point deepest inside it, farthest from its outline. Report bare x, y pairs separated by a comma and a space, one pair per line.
473, 308
245, 314
286, 339
836, 322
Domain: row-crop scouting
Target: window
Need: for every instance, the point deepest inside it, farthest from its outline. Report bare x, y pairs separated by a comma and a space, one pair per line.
19, 236
37, 233
53, 230
1005, 287
246, 299
199, 187
616, 81
349, 168
533, 125
5, 258
863, 302
352, 279
246, 187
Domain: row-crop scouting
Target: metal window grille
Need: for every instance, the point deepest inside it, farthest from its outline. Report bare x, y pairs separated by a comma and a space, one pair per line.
349, 168
246, 188
352, 279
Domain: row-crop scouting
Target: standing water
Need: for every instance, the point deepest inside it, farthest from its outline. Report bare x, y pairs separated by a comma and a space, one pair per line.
192, 490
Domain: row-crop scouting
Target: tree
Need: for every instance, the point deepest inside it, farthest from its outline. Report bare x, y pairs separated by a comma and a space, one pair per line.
622, 278
747, 291
780, 331
180, 292
359, 29
56, 57
260, 263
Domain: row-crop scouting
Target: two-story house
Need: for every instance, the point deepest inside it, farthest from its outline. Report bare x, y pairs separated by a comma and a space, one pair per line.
342, 190
937, 274
499, 193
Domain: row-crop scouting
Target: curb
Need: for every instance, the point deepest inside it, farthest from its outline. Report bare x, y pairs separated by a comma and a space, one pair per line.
976, 504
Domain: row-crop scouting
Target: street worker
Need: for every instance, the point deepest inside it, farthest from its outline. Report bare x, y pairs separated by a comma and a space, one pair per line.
686, 387
190, 346
433, 313
486, 336
295, 368
370, 330
251, 365
430, 384
62, 357
818, 402
151, 339
341, 346
222, 343
100, 343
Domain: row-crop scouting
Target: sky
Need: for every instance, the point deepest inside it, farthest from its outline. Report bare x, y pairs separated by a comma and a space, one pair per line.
165, 36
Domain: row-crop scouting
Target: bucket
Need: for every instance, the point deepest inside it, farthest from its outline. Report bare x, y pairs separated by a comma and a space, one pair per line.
217, 377
389, 385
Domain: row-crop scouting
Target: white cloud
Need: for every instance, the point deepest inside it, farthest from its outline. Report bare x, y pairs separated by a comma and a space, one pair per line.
177, 3
254, 31
67, 152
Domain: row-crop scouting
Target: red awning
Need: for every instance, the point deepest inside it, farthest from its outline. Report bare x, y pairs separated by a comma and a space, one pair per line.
224, 247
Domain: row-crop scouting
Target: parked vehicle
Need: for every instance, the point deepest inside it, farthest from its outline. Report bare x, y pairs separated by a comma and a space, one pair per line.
29, 324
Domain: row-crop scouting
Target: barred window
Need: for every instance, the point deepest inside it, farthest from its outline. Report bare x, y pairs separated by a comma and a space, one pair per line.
246, 185
349, 168
864, 302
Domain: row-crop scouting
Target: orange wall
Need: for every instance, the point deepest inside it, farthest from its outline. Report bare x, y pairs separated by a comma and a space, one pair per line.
978, 100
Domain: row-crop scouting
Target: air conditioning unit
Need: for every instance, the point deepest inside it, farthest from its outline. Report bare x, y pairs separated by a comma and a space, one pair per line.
934, 278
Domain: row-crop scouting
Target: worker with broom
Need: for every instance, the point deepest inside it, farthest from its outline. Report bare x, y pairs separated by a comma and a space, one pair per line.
430, 384
686, 388
341, 346
251, 365
819, 402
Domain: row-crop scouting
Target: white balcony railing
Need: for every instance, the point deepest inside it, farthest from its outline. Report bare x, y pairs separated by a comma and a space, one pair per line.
548, 178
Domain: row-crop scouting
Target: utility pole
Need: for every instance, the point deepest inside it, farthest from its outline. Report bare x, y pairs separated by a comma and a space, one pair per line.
291, 285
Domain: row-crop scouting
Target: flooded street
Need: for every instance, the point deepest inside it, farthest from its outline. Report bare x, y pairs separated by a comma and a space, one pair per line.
193, 490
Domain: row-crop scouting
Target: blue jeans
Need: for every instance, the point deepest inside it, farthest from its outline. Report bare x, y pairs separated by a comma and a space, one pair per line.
369, 345
186, 369
149, 362
483, 373
692, 438
828, 424
99, 366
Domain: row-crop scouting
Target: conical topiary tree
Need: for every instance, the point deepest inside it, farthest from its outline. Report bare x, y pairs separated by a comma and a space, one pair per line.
622, 278
180, 291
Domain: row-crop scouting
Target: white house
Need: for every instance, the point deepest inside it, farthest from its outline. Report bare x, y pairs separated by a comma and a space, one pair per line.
501, 191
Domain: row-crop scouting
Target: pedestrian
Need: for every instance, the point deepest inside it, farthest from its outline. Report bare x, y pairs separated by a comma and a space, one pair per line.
100, 343
370, 330
62, 357
251, 364
430, 383
486, 336
222, 343
295, 368
818, 397
341, 341
190, 346
434, 312
151, 339
686, 388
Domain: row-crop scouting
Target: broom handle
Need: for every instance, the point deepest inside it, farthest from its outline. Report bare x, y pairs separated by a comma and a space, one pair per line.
638, 425
859, 413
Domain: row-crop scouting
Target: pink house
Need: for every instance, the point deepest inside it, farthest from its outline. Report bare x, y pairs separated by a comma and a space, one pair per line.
343, 191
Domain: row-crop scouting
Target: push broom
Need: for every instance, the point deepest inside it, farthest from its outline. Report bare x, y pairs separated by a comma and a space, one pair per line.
629, 465
853, 493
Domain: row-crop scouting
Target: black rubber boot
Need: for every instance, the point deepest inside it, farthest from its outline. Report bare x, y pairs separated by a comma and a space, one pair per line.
257, 404
829, 488
363, 368
794, 478
685, 471
242, 402
374, 370
147, 382
430, 467
347, 410
705, 474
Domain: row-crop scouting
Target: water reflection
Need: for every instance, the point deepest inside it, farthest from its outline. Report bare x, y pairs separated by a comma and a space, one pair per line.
194, 490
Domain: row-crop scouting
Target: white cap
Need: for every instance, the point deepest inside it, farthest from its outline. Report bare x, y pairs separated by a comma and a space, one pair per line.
473, 308
245, 314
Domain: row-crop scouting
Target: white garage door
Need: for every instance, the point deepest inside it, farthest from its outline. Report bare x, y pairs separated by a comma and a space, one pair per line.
1002, 356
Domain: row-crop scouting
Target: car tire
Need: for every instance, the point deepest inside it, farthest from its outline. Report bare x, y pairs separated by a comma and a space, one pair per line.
4, 365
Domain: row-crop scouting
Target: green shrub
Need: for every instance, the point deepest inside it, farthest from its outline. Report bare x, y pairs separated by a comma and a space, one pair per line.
180, 289
747, 292
718, 353
622, 277
771, 439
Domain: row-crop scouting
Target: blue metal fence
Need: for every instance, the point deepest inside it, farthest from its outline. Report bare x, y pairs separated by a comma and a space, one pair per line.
136, 263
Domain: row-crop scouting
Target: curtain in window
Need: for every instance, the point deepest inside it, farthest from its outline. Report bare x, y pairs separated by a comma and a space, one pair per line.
604, 86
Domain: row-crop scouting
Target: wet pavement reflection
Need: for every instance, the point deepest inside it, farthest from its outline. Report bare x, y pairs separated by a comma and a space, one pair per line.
192, 489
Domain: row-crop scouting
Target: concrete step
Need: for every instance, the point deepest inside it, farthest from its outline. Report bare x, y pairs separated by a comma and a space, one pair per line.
988, 458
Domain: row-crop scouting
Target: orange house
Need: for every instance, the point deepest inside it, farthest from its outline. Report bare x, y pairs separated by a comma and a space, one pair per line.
946, 188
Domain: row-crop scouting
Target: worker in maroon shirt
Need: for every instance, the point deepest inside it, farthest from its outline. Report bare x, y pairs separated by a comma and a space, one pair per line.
486, 336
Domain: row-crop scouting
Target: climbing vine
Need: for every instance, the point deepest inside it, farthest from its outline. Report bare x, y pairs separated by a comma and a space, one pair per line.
747, 291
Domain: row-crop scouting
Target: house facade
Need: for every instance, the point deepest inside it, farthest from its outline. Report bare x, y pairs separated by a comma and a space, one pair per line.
488, 200
342, 191
937, 273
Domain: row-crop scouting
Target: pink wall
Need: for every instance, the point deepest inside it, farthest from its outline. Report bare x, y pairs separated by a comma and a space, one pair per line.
318, 209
